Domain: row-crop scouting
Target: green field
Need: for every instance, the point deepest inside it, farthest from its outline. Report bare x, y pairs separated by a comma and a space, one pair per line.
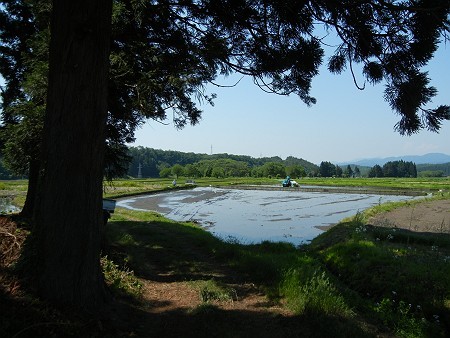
16, 189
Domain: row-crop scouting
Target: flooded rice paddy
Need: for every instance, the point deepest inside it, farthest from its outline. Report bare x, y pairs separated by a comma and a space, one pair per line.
252, 216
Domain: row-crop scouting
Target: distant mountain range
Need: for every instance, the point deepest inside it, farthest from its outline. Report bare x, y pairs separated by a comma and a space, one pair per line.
431, 158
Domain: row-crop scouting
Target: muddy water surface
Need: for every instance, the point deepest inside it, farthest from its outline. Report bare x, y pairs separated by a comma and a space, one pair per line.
252, 216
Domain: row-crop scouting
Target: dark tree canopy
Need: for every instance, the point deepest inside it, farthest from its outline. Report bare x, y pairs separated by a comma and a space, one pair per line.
327, 169
376, 171
164, 52
399, 169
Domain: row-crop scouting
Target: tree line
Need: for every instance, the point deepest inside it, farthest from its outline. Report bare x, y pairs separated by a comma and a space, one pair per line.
328, 169
150, 162
389, 169
394, 169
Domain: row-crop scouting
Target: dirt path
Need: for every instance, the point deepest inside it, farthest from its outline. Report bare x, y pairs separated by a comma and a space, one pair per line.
164, 297
431, 216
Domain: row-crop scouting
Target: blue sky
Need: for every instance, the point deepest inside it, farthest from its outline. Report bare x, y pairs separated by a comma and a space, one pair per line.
345, 124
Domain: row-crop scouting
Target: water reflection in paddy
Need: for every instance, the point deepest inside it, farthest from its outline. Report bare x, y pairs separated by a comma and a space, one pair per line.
251, 216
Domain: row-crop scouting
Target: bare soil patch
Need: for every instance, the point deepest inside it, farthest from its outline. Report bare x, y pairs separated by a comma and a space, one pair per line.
430, 216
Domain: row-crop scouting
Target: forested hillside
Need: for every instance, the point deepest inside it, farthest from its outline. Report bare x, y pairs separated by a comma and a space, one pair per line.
153, 161
433, 170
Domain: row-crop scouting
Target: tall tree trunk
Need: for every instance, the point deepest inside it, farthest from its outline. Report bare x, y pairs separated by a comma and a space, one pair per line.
33, 177
68, 212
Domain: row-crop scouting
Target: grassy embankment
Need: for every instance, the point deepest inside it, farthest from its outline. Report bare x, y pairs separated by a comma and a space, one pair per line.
353, 280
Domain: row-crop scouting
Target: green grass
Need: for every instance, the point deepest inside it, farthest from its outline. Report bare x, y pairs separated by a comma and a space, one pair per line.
14, 190
421, 183
128, 187
146, 239
403, 278
14, 185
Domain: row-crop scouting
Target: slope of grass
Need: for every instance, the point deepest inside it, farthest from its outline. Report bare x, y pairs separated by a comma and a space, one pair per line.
353, 271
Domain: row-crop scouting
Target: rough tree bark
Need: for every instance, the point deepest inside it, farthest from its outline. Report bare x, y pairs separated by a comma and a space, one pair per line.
33, 177
68, 211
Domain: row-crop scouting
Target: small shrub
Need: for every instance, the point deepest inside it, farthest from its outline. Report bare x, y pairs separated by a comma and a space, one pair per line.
400, 317
358, 219
314, 296
126, 239
120, 280
211, 290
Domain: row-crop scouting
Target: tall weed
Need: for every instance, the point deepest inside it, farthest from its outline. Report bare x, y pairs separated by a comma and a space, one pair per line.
120, 280
400, 316
313, 296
